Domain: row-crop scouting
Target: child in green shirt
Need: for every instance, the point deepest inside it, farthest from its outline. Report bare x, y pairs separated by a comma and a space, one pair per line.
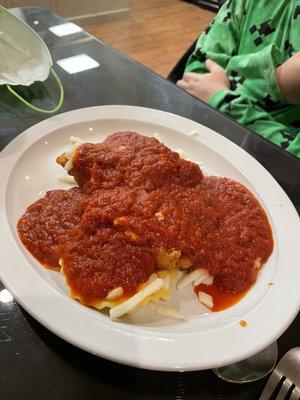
246, 65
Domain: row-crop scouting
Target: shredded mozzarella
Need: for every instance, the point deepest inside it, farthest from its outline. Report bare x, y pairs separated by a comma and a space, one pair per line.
69, 165
182, 154
116, 292
75, 145
205, 278
208, 280
166, 282
135, 300
159, 216
74, 139
194, 133
199, 280
206, 299
66, 179
157, 137
190, 278
152, 277
69, 154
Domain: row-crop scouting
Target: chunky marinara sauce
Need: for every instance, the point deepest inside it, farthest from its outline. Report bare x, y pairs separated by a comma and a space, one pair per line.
135, 198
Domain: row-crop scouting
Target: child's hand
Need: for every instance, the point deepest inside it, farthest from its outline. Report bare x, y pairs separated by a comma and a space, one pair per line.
288, 77
203, 86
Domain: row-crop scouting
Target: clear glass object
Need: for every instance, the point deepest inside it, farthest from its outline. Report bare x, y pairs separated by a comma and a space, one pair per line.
252, 369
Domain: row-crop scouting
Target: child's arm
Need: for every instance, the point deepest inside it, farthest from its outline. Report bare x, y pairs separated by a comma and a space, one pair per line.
252, 74
241, 109
220, 41
288, 77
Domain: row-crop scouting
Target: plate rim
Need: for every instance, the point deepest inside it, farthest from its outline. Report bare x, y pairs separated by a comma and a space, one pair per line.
144, 360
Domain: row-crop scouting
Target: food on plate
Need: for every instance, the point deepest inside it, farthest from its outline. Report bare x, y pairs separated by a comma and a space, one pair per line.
140, 213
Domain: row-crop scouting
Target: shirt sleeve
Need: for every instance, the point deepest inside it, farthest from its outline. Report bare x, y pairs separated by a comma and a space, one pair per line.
220, 41
240, 108
252, 74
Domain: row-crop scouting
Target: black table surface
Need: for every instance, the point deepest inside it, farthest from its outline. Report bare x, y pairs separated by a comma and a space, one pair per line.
36, 364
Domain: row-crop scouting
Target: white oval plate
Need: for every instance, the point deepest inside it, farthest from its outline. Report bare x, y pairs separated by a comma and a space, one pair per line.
203, 340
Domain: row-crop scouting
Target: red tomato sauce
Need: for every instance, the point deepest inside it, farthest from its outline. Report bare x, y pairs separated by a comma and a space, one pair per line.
107, 234
221, 299
46, 221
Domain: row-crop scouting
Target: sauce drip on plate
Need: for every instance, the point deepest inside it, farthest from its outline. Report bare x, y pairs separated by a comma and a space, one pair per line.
222, 299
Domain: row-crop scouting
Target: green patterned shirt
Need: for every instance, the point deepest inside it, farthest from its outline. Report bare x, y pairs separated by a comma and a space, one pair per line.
249, 39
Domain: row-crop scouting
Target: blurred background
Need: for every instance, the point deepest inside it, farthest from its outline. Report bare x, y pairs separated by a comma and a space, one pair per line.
155, 33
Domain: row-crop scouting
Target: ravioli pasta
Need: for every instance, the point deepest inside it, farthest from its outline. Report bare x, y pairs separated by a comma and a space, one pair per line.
140, 213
